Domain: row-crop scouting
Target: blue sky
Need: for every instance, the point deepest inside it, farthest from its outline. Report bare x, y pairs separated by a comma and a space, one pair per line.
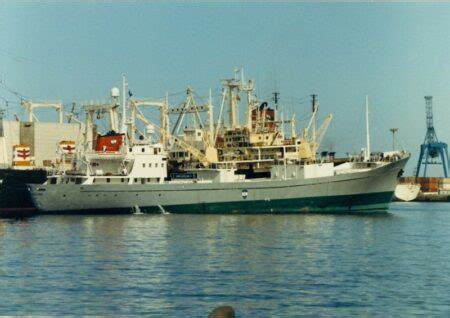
395, 53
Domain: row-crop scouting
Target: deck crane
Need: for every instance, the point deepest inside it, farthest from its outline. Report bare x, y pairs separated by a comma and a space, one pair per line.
163, 108
315, 144
29, 105
316, 138
305, 132
191, 107
204, 159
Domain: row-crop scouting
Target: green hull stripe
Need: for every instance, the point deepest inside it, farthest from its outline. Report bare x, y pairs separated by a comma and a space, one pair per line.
363, 202
330, 204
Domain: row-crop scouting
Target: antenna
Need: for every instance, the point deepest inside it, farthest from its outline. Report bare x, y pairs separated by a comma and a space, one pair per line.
276, 96
313, 102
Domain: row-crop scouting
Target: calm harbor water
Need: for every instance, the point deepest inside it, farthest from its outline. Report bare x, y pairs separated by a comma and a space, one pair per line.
392, 264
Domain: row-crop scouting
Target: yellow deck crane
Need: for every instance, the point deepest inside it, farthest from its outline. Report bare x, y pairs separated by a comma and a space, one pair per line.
190, 107
204, 159
310, 142
315, 144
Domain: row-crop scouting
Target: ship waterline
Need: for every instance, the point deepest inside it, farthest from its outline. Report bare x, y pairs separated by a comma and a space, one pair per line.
365, 190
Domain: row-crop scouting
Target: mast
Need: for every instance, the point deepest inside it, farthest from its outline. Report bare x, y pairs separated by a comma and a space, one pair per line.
314, 119
293, 133
165, 115
2, 136
367, 156
232, 101
124, 101
276, 96
211, 119
248, 90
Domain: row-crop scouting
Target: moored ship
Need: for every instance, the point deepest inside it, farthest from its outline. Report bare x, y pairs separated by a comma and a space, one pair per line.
29, 150
356, 186
116, 173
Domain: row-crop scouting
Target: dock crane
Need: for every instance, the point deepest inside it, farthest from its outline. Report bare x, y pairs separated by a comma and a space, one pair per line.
432, 149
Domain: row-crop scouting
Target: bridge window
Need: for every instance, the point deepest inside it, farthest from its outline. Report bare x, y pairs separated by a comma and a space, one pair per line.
143, 149
143, 165
156, 165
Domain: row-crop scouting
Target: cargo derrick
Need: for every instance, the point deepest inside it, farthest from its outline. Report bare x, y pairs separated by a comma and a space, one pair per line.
261, 141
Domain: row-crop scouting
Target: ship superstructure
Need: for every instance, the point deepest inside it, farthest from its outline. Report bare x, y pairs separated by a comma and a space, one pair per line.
252, 145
